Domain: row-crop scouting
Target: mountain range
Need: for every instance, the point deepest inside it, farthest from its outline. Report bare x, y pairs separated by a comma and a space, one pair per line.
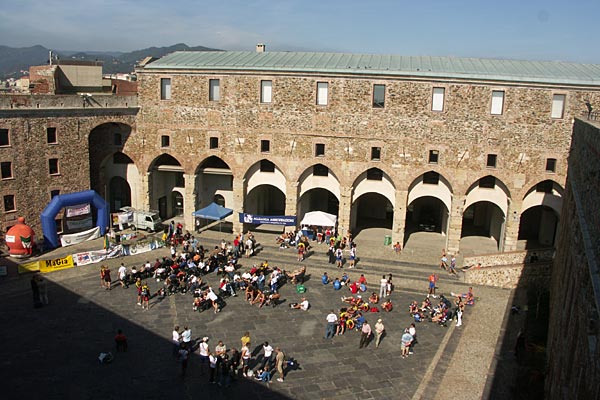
14, 60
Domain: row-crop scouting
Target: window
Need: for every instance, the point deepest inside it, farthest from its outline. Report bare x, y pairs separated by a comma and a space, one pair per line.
6, 167
214, 90
54, 193
266, 90
53, 166
267, 166
320, 150
322, 93
437, 103
9, 203
434, 156
544, 187
497, 102
378, 96
51, 135
4, 137
265, 146
431, 178
320, 170
117, 139
213, 143
488, 182
491, 160
550, 164
375, 153
558, 105
374, 174
165, 88
165, 141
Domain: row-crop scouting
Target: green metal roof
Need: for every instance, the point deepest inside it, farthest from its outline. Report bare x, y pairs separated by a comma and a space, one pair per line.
380, 65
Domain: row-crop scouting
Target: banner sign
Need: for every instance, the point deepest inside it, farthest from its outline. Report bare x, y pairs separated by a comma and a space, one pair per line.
79, 224
46, 266
67, 240
268, 219
95, 256
75, 211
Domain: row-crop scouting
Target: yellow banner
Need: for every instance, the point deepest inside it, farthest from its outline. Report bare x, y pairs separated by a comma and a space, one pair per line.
29, 267
56, 264
47, 265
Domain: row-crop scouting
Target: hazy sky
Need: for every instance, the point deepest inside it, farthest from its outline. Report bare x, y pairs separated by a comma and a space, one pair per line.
524, 29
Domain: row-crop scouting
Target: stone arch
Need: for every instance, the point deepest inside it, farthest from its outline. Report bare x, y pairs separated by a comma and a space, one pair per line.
265, 189
540, 215
318, 190
214, 177
545, 193
165, 174
373, 199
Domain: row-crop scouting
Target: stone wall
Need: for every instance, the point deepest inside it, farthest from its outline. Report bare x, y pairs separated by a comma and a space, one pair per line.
574, 336
510, 276
509, 257
27, 118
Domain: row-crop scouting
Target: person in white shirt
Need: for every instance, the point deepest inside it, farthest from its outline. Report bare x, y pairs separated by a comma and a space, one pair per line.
303, 305
268, 349
331, 324
122, 273
203, 352
214, 299
383, 287
186, 337
176, 340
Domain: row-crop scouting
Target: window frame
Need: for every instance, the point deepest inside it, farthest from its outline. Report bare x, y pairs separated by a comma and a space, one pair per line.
491, 157
14, 203
377, 150
50, 129
265, 146
433, 153
375, 104
2, 133
50, 161
503, 98
433, 99
214, 96
10, 167
166, 88
562, 109
213, 142
320, 100
549, 161
264, 91
54, 193
319, 149
165, 139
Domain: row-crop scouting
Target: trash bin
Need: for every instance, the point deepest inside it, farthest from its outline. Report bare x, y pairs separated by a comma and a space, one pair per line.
387, 241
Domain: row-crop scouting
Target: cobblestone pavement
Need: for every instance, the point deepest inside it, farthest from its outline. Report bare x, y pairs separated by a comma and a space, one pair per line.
52, 352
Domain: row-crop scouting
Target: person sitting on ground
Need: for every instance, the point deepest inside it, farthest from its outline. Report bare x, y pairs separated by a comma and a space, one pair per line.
250, 295
374, 298
272, 299
337, 285
353, 287
325, 279
303, 305
355, 301
387, 305
260, 298
263, 375
297, 275
469, 296
345, 279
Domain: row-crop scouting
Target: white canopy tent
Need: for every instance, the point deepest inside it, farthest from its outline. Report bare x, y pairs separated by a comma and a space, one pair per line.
318, 218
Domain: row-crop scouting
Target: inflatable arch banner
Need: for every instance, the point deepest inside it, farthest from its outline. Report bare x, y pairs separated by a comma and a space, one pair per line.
65, 200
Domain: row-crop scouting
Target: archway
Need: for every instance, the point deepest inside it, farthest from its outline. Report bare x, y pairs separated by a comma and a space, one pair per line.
166, 174
372, 210
104, 140
540, 215
265, 200
318, 190
318, 199
484, 219
119, 193
214, 181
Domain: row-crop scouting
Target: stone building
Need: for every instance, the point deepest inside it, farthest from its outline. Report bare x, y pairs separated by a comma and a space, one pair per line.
456, 146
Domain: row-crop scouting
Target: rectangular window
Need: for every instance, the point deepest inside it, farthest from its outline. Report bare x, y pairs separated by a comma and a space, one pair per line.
267, 166
4, 137
6, 167
53, 166
9, 203
320, 170
378, 96
375, 153
265, 146
322, 93
320, 150
213, 143
165, 88
551, 165
117, 139
558, 105
165, 141
434, 156
51, 135
491, 160
214, 90
54, 193
497, 102
266, 90
437, 103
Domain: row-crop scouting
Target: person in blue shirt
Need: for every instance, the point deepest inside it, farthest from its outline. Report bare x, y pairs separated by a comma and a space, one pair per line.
337, 285
325, 278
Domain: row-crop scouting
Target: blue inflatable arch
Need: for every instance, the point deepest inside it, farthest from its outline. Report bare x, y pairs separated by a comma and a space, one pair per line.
71, 199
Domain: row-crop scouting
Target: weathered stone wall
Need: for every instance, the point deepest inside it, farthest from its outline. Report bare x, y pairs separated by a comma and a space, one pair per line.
510, 276
574, 337
27, 117
509, 257
523, 137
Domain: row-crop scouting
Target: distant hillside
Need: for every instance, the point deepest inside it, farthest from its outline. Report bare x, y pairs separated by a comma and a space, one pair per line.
14, 60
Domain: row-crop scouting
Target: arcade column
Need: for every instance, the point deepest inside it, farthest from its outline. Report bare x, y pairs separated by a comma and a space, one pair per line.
345, 209
239, 189
291, 201
455, 224
189, 201
399, 220
511, 226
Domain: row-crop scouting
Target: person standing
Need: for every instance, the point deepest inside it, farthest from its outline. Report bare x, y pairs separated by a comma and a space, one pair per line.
268, 350
279, 360
107, 279
365, 334
145, 296
406, 341
412, 329
245, 339
183, 360
204, 354
379, 329
121, 341
432, 282
43, 288
122, 273
383, 287
245, 358
339, 256
352, 254
186, 337
212, 360
176, 340
331, 324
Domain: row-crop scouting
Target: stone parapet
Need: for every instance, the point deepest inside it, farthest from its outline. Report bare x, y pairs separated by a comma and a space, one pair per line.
510, 257
510, 276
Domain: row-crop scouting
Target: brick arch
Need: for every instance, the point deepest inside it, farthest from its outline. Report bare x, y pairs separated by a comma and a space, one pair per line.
500, 197
553, 200
300, 171
533, 182
386, 187
444, 174
307, 182
254, 177
442, 191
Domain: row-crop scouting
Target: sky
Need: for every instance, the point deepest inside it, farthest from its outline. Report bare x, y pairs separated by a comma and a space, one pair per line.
553, 30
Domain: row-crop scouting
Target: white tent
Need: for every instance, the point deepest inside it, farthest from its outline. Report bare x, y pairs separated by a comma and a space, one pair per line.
318, 218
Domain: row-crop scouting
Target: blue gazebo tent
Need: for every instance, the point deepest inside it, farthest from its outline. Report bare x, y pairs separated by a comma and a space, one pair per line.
214, 212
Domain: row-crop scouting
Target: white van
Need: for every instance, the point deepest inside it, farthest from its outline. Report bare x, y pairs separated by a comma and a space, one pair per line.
146, 220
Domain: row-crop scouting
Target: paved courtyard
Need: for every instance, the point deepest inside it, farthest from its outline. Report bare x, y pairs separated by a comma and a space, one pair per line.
51, 353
